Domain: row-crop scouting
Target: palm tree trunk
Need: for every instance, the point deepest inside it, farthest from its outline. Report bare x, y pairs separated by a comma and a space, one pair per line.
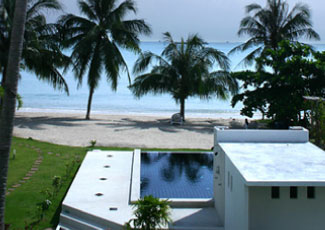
9, 101
3, 80
90, 98
182, 102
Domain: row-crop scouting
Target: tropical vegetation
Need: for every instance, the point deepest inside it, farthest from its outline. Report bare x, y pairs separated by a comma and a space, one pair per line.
316, 124
97, 38
9, 98
41, 50
151, 213
269, 25
184, 70
280, 95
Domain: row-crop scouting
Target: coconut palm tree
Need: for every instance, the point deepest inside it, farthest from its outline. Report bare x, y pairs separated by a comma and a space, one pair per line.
184, 70
41, 52
267, 26
97, 38
8, 111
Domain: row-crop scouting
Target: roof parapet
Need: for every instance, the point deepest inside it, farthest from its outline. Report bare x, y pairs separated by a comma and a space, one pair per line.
295, 134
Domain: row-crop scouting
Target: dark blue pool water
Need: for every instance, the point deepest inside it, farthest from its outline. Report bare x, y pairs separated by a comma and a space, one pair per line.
175, 175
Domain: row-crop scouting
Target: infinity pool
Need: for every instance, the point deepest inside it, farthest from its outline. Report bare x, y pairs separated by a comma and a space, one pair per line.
176, 175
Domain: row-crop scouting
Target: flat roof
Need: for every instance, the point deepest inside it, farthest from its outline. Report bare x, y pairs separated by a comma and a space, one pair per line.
278, 164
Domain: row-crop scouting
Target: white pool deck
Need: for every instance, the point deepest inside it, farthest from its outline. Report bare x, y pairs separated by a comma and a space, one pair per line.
109, 174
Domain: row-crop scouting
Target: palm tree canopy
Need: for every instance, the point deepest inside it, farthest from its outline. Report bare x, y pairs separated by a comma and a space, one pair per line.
267, 26
41, 52
183, 70
96, 38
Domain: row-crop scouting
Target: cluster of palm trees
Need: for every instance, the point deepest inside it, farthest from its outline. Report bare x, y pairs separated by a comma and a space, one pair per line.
184, 68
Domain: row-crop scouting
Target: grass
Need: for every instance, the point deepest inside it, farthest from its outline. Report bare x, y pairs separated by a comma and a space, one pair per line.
22, 204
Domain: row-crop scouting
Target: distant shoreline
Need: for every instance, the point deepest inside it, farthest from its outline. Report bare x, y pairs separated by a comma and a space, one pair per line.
217, 115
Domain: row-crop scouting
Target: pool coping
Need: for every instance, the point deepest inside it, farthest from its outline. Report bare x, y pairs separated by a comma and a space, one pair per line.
174, 202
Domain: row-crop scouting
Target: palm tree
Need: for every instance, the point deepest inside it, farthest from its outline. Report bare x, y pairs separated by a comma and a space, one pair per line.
8, 111
97, 38
183, 70
267, 26
41, 52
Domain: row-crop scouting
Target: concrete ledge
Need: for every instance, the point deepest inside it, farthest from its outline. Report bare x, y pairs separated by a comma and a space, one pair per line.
292, 135
135, 177
191, 203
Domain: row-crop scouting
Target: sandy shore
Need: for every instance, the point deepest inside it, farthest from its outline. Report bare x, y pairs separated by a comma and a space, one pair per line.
119, 130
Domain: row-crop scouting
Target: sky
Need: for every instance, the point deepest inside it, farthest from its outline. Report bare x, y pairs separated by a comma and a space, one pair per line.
213, 20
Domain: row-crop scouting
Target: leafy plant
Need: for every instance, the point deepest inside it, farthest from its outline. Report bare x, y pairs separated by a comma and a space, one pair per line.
279, 94
56, 183
150, 213
93, 143
43, 207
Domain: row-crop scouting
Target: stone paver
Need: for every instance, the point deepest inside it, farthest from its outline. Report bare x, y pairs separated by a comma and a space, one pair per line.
31, 172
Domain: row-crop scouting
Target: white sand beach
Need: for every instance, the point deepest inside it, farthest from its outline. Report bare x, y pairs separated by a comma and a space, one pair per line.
119, 130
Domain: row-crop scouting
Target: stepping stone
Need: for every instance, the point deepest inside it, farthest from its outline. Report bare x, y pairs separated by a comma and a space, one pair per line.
29, 174
7, 193
37, 163
50, 153
34, 169
22, 181
26, 178
16, 185
58, 154
11, 189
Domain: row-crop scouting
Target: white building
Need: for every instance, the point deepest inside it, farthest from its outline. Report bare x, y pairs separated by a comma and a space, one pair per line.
269, 180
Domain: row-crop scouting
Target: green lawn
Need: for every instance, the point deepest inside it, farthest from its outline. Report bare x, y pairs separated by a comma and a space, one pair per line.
22, 204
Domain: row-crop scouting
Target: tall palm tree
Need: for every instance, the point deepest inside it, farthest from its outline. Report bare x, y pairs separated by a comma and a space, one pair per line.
41, 51
8, 111
184, 70
267, 26
96, 40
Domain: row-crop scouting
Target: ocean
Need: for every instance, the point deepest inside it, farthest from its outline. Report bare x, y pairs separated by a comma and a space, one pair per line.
39, 96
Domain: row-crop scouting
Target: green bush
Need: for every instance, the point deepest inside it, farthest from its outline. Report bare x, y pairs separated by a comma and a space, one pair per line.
150, 213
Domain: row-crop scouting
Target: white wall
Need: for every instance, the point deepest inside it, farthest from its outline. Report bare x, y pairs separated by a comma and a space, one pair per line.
294, 135
219, 182
236, 193
285, 213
